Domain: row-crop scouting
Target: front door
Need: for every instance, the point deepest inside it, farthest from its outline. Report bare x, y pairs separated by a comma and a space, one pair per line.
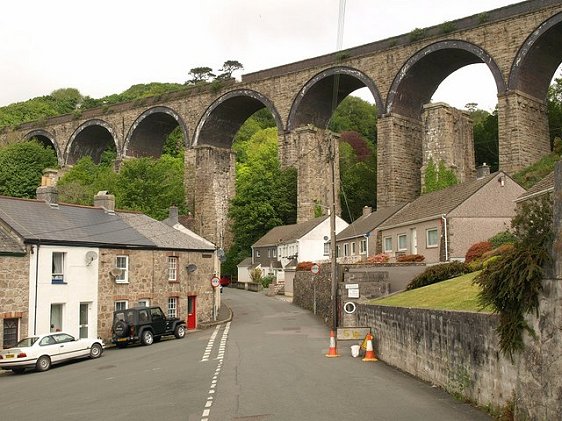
414, 240
10, 333
191, 312
84, 310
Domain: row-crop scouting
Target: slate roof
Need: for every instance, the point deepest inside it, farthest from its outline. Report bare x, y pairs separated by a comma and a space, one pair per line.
288, 233
9, 244
435, 204
37, 221
545, 185
367, 223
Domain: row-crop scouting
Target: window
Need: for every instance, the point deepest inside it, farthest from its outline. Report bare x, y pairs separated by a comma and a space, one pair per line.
432, 238
387, 244
58, 268
275, 252
172, 307
326, 249
353, 249
257, 253
402, 242
56, 317
172, 268
268, 252
122, 262
346, 249
145, 302
338, 251
363, 246
10, 332
121, 305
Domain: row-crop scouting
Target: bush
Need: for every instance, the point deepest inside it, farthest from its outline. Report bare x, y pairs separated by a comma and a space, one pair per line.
266, 280
304, 266
498, 251
378, 258
501, 238
411, 258
477, 250
438, 273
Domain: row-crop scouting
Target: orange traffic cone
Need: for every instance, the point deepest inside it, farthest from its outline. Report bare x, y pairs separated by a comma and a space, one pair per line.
369, 353
332, 352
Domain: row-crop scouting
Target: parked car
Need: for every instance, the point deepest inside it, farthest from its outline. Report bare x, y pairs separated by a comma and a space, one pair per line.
145, 325
225, 281
41, 351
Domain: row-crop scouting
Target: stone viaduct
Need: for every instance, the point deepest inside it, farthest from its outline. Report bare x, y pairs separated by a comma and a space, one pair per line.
521, 45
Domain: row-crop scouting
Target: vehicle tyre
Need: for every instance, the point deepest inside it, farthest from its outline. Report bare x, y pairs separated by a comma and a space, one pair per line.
147, 338
179, 331
96, 350
43, 363
121, 328
18, 370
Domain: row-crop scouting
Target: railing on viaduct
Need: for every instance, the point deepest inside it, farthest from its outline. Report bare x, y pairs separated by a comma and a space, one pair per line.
520, 44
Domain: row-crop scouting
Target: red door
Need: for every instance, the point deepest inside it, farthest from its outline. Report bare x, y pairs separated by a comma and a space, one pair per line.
191, 312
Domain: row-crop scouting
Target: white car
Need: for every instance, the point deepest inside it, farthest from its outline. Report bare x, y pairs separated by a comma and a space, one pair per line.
41, 351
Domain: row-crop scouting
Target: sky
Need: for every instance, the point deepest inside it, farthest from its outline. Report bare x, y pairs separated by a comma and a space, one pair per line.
103, 47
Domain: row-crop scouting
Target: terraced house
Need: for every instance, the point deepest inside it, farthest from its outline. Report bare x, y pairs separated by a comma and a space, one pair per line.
68, 267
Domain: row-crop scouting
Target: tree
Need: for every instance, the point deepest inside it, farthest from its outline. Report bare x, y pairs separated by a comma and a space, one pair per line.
21, 168
355, 114
554, 107
229, 67
438, 178
200, 75
485, 126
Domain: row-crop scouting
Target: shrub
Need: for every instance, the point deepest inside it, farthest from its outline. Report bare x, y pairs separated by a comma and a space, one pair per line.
477, 250
378, 258
438, 273
304, 266
411, 258
498, 251
501, 238
266, 280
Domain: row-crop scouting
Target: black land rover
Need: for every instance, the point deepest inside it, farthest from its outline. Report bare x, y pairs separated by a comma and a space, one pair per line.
144, 324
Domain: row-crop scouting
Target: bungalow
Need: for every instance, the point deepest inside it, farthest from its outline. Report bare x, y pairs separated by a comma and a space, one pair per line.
362, 238
68, 267
442, 225
279, 251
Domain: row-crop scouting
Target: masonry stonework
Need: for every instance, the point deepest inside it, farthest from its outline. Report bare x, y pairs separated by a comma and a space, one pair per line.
14, 297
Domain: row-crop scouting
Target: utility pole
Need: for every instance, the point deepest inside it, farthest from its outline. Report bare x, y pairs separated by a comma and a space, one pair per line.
333, 249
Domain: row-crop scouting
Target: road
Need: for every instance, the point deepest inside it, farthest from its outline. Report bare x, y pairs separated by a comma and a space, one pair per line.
267, 364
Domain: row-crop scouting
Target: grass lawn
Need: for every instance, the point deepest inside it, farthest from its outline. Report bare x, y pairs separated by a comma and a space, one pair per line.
454, 294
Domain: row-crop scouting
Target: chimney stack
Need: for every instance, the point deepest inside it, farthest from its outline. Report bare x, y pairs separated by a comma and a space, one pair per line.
105, 200
47, 191
367, 210
482, 171
173, 215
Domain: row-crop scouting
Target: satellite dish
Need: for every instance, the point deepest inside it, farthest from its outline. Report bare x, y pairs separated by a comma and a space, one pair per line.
191, 268
115, 272
90, 257
326, 238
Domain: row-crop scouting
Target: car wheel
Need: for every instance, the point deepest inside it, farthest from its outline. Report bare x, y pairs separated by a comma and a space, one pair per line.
18, 370
43, 363
179, 332
147, 337
96, 350
121, 328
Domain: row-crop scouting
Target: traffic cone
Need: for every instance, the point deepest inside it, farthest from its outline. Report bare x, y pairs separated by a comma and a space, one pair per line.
332, 352
369, 353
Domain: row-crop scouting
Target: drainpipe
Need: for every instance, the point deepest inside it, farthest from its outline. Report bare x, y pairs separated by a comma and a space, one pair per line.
36, 288
444, 219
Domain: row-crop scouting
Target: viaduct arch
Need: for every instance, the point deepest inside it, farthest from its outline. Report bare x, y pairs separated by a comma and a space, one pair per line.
519, 43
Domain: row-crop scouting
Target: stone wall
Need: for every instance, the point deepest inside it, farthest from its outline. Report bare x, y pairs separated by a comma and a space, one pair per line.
313, 292
148, 279
457, 351
14, 296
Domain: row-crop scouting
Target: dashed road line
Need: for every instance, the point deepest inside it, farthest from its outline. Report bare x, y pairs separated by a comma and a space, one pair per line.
220, 356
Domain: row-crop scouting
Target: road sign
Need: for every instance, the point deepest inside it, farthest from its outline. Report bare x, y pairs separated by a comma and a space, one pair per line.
315, 268
215, 281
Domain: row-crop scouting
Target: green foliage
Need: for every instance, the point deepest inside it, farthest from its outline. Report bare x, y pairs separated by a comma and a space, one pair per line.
485, 131
229, 67
512, 283
447, 27
256, 275
438, 273
355, 114
554, 108
534, 173
483, 17
21, 168
200, 75
174, 144
417, 34
342, 56
407, 258
438, 178
267, 280
501, 238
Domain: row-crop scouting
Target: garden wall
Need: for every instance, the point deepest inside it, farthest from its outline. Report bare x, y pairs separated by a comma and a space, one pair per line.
457, 351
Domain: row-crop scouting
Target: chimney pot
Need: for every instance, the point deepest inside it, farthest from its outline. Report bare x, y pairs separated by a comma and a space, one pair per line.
367, 210
105, 200
482, 171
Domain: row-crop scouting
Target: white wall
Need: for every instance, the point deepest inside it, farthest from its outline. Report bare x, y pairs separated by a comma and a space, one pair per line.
311, 245
81, 286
